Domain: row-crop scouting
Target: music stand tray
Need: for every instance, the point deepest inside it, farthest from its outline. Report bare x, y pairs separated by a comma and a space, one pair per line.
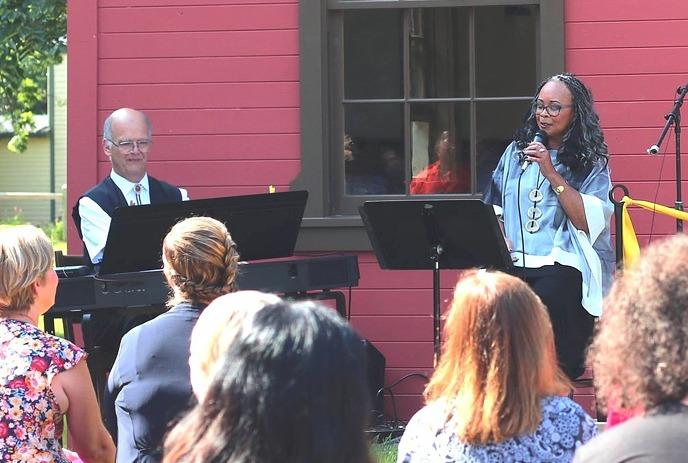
423, 234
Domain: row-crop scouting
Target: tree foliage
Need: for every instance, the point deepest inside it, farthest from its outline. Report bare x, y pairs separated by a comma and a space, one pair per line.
32, 37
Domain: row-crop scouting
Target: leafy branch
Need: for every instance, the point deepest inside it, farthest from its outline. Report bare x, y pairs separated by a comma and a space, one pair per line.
32, 37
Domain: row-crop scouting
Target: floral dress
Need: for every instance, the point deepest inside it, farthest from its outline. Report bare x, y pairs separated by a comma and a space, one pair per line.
30, 417
564, 426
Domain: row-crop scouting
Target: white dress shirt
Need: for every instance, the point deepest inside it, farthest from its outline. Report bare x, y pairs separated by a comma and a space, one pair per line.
95, 222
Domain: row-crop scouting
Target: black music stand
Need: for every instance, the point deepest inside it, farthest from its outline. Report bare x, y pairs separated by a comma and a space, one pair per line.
264, 226
432, 234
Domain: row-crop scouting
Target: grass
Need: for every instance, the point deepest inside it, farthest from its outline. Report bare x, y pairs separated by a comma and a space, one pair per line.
386, 451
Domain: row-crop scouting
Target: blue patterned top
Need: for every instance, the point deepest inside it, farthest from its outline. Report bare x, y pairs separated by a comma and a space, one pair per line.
564, 426
556, 239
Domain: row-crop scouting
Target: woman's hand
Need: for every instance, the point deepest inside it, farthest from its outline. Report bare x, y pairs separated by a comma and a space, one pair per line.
537, 152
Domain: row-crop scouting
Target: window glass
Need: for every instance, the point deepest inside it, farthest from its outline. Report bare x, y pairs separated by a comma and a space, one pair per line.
438, 49
373, 54
374, 162
411, 115
505, 50
496, 123
440, 148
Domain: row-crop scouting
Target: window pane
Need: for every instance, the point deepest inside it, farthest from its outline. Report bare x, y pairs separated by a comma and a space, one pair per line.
506, 50
374, 149
440, 149
496, 123
438, 44
373, 54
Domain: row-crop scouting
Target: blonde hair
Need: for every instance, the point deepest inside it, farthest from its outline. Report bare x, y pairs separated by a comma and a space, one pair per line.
200, 260
498, 359
25, 256
217, 327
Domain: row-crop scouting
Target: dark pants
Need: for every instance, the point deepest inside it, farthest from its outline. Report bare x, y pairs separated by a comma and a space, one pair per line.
561, 288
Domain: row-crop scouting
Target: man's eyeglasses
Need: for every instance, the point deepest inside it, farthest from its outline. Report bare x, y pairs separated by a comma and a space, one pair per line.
553, 109
129, 145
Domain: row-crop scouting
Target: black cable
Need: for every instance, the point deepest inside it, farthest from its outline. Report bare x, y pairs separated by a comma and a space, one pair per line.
520, 218
659, 181
348, 307
389, 390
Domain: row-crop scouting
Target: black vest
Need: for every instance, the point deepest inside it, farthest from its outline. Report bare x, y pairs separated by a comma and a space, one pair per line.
109, 197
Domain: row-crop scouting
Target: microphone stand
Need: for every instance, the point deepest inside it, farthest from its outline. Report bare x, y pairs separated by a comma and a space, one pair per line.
674, 117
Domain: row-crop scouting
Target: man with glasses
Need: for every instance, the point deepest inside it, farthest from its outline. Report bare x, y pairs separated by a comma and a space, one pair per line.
127, 143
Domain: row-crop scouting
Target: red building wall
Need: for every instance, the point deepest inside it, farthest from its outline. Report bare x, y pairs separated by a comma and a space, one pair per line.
221, 84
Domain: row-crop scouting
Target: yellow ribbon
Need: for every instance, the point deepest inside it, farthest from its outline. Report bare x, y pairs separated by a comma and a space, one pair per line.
631, 248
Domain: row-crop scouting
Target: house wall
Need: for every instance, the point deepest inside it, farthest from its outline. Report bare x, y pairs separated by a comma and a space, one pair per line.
29, 172
634, 56
221, 84
26, 172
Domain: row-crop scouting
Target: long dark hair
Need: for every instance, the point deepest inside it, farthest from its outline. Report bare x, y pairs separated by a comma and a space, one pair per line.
583, 143
290, 388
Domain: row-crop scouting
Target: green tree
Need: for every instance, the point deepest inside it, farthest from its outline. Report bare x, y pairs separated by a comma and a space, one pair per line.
32, 37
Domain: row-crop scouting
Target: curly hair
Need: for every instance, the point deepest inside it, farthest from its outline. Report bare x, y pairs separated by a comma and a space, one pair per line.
639, 349
25, 256
583, 143
200, 260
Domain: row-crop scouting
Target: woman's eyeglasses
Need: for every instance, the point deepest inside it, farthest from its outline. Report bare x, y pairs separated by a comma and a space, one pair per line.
553, 109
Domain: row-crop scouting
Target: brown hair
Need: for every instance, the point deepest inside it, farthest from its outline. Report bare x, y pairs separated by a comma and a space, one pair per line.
200, 260
639, 348
25, 255
498, 359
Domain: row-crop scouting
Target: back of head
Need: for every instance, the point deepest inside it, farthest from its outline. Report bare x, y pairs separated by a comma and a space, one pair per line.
291, 388
218, 326
200, 260
498, 358
25, 255
639, 349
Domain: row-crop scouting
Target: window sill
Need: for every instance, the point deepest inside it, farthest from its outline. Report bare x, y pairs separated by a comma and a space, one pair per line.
337, 233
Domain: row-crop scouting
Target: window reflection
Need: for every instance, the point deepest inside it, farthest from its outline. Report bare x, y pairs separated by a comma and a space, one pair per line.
374, 149
438, 44
440, 148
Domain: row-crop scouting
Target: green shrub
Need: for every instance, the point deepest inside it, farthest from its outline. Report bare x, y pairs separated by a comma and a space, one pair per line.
16, 218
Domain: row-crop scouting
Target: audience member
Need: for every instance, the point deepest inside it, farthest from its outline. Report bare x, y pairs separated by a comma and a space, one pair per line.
219, 324
149, 383
497, 393
42, 377
291, 388
639, 358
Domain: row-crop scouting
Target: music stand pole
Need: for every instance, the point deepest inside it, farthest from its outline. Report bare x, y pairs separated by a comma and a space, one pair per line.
434, 237
436, 312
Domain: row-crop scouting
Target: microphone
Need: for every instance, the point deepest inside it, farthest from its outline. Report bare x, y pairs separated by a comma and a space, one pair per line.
540, 137
652, 150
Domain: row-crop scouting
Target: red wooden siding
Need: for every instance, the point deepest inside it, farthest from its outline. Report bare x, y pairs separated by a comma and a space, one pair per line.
634, 56
220, 82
